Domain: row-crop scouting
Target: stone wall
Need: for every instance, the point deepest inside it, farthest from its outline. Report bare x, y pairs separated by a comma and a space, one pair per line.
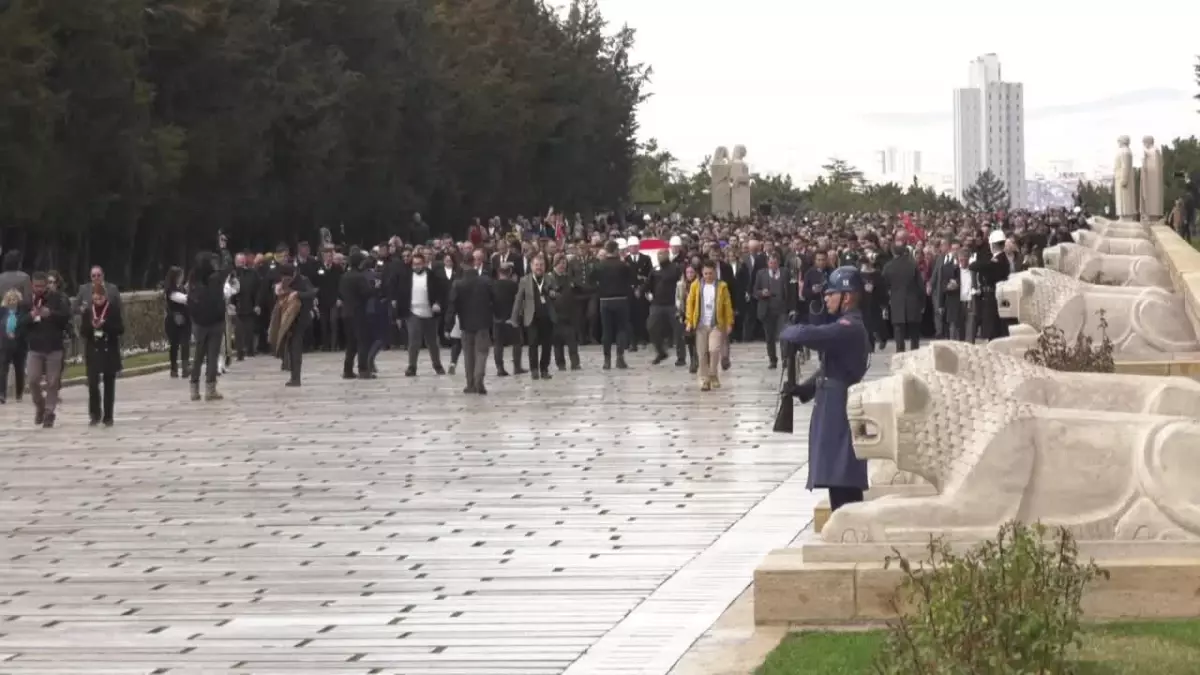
144, 316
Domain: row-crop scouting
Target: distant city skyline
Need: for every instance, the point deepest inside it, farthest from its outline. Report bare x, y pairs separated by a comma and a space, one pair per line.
798, 83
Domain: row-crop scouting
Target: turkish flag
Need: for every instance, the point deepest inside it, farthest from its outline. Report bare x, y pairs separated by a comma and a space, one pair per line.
913, 231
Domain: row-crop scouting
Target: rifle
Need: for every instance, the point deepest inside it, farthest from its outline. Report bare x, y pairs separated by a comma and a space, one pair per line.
784, 417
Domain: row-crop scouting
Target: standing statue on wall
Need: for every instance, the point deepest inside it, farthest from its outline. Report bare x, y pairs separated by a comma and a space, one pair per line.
1124, 181
721, 186
739, 175
1152, 180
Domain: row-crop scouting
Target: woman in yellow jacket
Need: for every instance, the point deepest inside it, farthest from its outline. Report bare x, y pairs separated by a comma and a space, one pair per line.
710, 318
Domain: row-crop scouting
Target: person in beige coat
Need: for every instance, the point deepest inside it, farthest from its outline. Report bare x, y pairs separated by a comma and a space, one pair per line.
533, 310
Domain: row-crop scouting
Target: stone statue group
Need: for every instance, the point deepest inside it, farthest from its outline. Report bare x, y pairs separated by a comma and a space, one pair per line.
730, 182
1129, 203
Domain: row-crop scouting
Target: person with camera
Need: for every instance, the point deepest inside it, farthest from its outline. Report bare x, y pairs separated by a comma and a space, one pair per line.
845, 352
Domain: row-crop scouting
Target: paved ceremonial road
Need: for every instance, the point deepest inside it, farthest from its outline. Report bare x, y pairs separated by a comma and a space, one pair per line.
598, 523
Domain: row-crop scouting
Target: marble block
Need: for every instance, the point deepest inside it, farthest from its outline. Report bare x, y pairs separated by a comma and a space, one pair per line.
1119, 246
1085, 264
1141, 320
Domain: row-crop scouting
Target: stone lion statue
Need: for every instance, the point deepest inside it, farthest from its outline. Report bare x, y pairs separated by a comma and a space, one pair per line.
1145, 320
1014, 377
993, 458
1103, 244
1118, 229
1086, 264
1017, 378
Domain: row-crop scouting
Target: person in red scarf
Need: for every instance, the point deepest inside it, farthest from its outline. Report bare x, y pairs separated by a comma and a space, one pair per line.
101, 328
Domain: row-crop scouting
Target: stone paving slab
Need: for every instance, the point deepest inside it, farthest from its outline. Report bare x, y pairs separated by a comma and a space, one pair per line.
394, 525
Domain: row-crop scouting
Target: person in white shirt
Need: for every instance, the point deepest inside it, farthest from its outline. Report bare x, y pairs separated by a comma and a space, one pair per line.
417, 304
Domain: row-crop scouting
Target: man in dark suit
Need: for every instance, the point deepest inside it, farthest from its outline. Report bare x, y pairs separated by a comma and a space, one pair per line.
754, 262
945, 269
957, 299
771, 293
639, 308
327, 277
354, 292
906, 296
472, 304
505, 256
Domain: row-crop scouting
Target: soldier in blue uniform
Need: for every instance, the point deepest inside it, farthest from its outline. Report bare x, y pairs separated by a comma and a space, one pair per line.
845, 350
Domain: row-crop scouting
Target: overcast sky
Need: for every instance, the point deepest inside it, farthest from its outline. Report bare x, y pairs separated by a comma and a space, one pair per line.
797, 81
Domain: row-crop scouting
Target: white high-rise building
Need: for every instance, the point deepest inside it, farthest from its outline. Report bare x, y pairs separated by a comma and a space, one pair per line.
989, 130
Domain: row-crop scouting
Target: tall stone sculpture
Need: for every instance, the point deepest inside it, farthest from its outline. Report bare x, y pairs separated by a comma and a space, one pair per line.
994, 458
722, 199
1152, 180
739, 174
1124, 181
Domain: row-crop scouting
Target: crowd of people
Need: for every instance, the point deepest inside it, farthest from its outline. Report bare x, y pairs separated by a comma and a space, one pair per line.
533, 291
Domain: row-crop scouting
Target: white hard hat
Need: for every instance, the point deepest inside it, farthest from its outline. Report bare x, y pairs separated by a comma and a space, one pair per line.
996, 237
620, 243
646, 217
632, 243
676, 241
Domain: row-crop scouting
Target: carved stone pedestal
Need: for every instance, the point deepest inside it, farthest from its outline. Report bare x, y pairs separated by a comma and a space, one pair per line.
814, 586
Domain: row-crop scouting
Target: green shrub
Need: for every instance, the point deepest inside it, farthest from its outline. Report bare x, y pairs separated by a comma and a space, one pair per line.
1009, 606
1054, 351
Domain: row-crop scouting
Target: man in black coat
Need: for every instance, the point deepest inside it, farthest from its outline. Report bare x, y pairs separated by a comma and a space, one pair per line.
945, 270
245, 306
906, 297
754, 262
355, 291
504, 295
328, 276
472, 303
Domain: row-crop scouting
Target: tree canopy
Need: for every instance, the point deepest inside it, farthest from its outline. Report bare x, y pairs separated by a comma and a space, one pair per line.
132, 130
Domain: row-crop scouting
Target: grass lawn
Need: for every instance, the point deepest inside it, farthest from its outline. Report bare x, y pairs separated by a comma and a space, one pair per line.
135, 361
1161, 648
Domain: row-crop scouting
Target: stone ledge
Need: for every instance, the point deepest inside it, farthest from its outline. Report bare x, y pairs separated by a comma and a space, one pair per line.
1185, 364
127, 372
791, 592
1183, 263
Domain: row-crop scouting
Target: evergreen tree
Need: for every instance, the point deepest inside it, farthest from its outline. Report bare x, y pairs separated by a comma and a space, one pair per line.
987, 194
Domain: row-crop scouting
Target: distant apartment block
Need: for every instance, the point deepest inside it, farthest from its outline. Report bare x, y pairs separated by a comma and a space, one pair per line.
989, 130
898, 166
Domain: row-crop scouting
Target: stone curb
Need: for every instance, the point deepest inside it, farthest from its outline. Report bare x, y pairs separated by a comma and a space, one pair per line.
128, 372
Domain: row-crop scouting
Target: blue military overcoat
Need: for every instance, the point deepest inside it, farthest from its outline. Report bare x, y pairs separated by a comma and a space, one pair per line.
845, 351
